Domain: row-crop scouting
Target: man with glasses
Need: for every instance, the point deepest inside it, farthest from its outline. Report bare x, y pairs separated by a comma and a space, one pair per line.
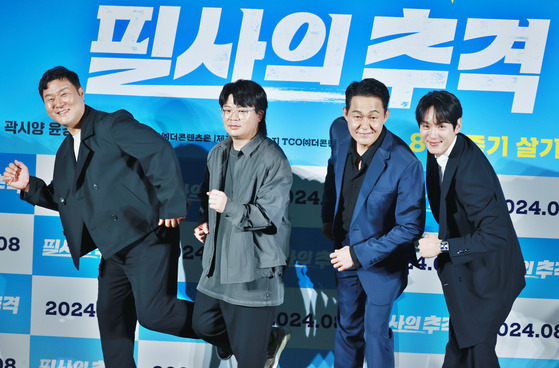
245, 229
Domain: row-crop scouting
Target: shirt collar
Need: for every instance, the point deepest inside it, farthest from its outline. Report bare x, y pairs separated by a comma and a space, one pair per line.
252, 144
368, 155
442, 160
77, 141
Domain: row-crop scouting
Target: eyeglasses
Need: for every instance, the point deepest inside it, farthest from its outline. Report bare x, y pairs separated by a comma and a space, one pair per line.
241, 113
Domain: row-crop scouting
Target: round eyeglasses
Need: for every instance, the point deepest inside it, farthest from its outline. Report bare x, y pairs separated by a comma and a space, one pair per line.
242, 113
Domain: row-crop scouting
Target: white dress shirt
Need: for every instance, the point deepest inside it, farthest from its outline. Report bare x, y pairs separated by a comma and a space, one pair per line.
442, 160
77, 141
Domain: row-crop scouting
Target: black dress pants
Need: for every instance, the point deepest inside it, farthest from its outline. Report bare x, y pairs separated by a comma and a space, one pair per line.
245, 330
482, 355
139, 283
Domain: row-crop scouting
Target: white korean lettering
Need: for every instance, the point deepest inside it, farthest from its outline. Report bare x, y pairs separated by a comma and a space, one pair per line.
47, 363
309, 46
50, 247
422, 34
11, 303
545, 268
166, 31
507, 32
249, 48
129, 44
204, 50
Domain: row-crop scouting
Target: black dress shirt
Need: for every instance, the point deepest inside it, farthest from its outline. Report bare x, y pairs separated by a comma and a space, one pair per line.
354, 174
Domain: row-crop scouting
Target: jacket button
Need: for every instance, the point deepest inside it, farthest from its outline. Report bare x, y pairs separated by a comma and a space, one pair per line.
115, 217
62, 200
460, 278
95, 186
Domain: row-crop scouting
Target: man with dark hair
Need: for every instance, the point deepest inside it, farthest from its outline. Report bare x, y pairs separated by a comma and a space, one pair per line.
373, 210
480, 264
245, 229
118, 187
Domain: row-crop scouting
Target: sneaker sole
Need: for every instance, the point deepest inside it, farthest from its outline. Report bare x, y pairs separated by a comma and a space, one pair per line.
282, 346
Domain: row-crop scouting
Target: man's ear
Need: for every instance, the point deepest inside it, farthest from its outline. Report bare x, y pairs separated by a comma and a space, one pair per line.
458, 125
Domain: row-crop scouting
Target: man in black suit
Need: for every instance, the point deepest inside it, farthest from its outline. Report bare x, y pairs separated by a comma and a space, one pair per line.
118, 187
480, 264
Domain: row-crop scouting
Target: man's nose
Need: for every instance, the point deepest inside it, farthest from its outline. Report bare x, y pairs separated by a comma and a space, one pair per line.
58, 101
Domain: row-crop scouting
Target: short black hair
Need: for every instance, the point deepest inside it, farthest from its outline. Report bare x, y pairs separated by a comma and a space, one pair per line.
247, 93
447, 107
58, 72
368, 87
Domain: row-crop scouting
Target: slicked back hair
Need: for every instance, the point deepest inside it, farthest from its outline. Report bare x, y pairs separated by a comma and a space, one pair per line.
368, 87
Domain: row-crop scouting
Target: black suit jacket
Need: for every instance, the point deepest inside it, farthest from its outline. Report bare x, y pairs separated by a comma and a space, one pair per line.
125, 179
484, 271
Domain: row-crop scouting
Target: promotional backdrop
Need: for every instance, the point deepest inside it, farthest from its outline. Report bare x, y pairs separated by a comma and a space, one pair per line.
166, 62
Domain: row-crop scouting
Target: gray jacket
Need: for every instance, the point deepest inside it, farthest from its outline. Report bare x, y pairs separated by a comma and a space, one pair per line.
259, 243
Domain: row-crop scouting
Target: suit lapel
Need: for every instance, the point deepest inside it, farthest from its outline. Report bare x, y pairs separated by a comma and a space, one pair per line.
375, 170
341, 157
65, 168
449, 172
433, 185
85, 153
84, 156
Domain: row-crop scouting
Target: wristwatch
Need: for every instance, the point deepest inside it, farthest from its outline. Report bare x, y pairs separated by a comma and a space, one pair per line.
444, 246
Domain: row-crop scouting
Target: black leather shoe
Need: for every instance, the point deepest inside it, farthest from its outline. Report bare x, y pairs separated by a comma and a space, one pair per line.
223, 352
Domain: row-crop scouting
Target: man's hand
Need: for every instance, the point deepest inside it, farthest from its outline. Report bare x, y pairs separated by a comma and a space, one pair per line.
327, 231
201, 231
430, 246
16, 175
341, 259
174, 222
217, 200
